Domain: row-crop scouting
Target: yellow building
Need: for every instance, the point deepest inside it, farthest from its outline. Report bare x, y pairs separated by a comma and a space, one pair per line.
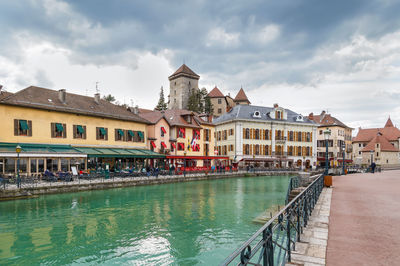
182, 135
57, 130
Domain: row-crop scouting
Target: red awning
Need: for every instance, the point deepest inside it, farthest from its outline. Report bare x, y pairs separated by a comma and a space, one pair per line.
197, 157
153, 144
173, 145
163, 130
163, 144
323, 159
346, 160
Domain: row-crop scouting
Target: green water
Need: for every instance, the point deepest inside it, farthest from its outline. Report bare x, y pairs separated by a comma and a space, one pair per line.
182, 224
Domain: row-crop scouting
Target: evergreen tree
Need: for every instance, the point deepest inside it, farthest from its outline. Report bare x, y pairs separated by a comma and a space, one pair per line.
109, 98
208, 108
194, 101
162, 105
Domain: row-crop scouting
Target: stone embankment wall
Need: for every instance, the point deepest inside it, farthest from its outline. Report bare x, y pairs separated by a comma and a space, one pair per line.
55, 188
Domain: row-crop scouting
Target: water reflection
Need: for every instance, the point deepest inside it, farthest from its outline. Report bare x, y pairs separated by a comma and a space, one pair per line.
186, 223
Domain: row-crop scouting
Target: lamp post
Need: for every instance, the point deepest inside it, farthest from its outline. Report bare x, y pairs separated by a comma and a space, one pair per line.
327, 134
18, 150
344, 155
372, 156
184, 164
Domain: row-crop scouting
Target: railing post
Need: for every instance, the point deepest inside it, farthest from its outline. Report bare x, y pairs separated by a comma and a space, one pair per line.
298, 221
288, 235
268, 259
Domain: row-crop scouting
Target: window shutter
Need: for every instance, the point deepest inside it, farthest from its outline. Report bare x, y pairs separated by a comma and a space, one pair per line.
30, 128
116, 134
311, 136
244, 149
106, 133
16, 127
97, 133
65, 131
125, 135
244, 133
310, 151
53, 129
84, 133
204, 134
74, 131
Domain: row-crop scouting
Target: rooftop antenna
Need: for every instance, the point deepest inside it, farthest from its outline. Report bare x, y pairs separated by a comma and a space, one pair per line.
131, 102
97, 88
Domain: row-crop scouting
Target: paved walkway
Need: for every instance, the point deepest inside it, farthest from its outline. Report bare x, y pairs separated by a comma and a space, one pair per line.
364, 226
311, 250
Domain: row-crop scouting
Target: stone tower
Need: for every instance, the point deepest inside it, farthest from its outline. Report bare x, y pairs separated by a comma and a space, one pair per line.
181, 84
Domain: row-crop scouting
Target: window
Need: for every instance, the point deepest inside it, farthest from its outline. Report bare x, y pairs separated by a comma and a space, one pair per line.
247, 134
278, 115
266, 134
224, 150
162, 131
101, 133
257, 134
139, 136
22, 127
290, 135
299, 138
359, 145
257, 150
290, 150
299, 151
308, 137
219, 135
225, 137
175, 91
58, 130
219, 101
181, 133
79, 131
119, 134
308, 151
219, 110
377, 154
129, 135
266, 150
181, 146
174, 100
320, 132
278, 135
231, 132
172, 146
246, 149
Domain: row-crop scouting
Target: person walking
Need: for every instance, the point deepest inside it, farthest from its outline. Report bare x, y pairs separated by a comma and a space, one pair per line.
373, 166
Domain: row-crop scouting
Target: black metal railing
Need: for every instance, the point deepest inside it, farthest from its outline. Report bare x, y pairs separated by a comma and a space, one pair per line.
294, 182
273, 243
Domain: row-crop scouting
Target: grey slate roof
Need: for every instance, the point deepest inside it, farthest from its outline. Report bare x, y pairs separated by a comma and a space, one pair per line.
245, 112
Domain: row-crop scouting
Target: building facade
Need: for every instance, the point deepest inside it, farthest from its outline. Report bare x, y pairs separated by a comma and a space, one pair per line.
265, 136
341, 137
222, 104
57, 130
380, 145
181, 84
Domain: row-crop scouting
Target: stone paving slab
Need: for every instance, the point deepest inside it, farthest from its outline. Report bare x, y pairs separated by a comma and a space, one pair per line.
311, 250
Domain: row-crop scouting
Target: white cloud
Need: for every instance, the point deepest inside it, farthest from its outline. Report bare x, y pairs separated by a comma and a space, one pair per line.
219, 37
267, 34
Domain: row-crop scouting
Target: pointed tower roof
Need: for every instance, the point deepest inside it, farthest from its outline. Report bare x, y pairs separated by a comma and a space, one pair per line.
184, 70
389, 123
215, 93
241, 97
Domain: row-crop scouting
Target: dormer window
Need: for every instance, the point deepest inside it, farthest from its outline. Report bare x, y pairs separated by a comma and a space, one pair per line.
278, 115
257, 114
300, 118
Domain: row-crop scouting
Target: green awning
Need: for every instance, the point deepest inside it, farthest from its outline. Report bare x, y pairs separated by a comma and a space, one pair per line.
140, 134
120, 132
23, 124
42, 149
130, 132
90, 151
103, 131
80, 129
59, 127
119, 153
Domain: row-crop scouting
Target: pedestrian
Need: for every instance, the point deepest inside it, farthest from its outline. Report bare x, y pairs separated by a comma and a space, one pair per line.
373, 166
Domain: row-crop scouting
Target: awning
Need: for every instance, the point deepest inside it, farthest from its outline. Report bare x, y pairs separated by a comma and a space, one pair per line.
120, 132
163, 144
80, 129
163, 130
323, 159
153, 144
173, 145
23, 124
140, 134
39, 150
197, 157
118, 152
130, 132
103, 131
59, 127
346, 160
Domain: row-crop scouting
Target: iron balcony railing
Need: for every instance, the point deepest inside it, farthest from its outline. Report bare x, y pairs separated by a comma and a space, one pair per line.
273, 243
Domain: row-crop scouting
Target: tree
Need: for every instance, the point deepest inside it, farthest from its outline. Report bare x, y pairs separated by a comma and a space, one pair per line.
194, 102
162, 105
109, 98
208, 107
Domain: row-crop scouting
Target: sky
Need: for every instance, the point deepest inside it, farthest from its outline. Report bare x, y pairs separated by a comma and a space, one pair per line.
342, 56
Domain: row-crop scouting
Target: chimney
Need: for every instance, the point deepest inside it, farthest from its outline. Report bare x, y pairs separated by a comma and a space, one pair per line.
62, 95
276, 105
136, 110
311, 116
323, 112
97, 98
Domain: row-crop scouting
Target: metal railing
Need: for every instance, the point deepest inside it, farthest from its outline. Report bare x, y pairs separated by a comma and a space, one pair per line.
294, 182
273, 243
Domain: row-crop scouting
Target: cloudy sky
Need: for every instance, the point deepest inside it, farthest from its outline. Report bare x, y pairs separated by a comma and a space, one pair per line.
306, 55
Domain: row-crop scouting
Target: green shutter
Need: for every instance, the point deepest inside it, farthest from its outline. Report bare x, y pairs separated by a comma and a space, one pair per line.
103, 131
130, 132
140, 134
80, 129
59, 127
120, 132
23, 124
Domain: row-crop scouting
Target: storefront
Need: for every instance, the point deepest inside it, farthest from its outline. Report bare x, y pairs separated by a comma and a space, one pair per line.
191, 162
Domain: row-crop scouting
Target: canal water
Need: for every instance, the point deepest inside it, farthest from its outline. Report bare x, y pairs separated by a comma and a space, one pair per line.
191, 223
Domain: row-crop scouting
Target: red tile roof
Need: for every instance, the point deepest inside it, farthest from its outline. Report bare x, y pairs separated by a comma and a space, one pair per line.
215, 93
175, 117
184, 70
241, 96
389, 123
325, 119
389, 132
384, 144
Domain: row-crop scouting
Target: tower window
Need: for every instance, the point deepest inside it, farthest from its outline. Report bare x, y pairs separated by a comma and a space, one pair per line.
174, 92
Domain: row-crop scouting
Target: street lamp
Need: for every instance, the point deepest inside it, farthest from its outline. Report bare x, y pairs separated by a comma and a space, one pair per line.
344, 155
184, 164
327, 134
18, 150
372, 156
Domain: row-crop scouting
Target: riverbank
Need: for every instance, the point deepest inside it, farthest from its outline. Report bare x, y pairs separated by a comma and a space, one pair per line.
11, 192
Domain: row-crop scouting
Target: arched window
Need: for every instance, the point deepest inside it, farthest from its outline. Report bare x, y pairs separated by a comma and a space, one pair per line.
247, 149
308, 137
299, 151
266, 134
266, 150
257, 151
247, 133
290, 150
279, 135
299, 136
308, 151
257, 134
291, 136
